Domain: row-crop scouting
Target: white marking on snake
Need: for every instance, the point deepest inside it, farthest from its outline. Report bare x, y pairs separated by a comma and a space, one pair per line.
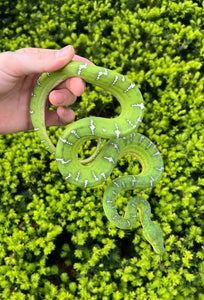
103, 175
116, 217
64, 141
48, 74
132, 136
155, 154
132, 85
109, 201
36, 129
123, 184
133, 205
85, 183
75, 133
115, 146
149, 145
129, 224
151, 180
110, 159
81, 67
139, 120
117, 131
33, 95
123, 78
68, 176
38, 81
78, 174
114, 193
160, 169
43, 141
141, 139
131, 124
115, 80
116, 184
31, 112
133, 181
104, 130
141, 105
94, 175
92, 126
63, 162
102, 73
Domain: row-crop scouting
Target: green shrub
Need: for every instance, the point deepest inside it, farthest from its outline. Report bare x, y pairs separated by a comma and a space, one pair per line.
55, 242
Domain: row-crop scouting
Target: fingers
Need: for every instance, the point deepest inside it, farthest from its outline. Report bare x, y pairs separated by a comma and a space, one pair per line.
30, 61
65, 115
61, 117
62, 97
36, 61
75, 85
67, 92
82, 59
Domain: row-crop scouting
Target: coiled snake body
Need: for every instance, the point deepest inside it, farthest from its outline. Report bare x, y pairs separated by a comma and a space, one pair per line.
122, 140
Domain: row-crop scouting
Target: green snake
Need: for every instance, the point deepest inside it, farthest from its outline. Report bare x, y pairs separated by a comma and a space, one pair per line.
122, 140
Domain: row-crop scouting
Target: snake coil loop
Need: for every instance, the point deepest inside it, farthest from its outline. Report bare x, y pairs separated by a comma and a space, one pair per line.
122, 140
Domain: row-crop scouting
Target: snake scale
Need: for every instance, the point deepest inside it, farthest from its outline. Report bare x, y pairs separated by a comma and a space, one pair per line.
122, 140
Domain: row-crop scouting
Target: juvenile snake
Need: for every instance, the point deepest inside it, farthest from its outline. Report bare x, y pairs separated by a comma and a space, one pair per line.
122, 140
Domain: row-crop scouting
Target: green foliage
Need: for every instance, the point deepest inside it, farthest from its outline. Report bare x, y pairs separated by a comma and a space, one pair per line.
55, 242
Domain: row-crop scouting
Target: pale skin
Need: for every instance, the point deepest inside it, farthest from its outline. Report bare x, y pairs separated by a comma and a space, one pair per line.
19, 72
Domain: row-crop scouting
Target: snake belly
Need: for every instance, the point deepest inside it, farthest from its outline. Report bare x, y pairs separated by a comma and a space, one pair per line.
122, 140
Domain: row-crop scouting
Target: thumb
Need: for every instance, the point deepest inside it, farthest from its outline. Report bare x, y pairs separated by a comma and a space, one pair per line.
27, 61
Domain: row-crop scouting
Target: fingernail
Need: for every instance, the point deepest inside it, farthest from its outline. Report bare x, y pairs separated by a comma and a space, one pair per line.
63, 53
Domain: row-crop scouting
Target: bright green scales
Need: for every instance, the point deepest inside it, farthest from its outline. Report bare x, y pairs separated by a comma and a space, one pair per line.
122, 140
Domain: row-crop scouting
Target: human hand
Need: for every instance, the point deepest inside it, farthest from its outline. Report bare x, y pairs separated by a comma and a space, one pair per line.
19, 72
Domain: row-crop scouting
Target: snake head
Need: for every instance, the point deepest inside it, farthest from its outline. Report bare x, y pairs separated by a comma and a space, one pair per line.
154, 236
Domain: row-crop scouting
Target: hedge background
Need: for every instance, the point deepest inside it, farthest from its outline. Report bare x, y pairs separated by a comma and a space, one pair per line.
55, 242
